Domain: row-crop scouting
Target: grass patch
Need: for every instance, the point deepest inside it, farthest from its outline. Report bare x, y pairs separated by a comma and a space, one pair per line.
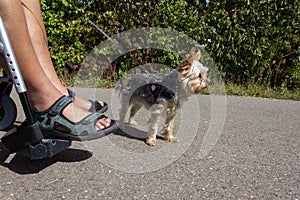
260, 91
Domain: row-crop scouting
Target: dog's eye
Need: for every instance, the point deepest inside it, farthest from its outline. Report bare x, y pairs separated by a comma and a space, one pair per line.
199, 76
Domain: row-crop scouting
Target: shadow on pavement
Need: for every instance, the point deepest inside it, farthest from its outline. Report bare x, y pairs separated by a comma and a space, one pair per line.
21, 164
133, 133
24, 165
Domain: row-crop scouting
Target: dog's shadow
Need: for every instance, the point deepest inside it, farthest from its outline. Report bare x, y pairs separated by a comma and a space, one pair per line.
133, 132
23, 165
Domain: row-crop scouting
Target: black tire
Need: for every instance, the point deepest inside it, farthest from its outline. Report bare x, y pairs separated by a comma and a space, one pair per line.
6, 87
8, 112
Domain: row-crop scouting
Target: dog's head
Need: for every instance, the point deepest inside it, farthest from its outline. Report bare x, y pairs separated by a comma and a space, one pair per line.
192, 74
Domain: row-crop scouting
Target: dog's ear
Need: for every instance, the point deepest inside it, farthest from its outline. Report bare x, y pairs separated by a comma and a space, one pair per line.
203, 72
193, 55
198, 55
192, 52
184, 67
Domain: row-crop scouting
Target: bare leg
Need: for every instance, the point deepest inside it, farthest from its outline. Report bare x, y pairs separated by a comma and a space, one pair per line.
38, 84
38, 37
37, 34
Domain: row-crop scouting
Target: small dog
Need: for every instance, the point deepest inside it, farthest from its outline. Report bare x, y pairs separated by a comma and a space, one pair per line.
163, 95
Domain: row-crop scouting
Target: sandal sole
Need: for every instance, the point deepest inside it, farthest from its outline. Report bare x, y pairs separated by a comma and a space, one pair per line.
51, 134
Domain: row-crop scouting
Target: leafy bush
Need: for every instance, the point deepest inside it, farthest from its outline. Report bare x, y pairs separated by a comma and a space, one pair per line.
256, 42
251, 42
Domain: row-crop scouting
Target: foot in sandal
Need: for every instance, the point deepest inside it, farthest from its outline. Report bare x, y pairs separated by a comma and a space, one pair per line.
55, 123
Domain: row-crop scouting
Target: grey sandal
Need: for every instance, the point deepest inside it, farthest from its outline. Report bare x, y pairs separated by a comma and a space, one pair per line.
95, 105
50, 120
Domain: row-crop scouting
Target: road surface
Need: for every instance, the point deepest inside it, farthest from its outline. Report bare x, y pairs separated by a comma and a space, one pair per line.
230, 148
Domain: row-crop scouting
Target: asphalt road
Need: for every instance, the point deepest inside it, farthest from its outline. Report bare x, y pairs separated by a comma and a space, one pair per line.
230, 148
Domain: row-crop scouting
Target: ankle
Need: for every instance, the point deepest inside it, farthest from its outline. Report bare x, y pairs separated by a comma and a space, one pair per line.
41, 102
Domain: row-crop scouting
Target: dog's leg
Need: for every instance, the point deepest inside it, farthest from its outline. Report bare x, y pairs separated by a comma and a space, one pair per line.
122, 114
155, 114
134, 109
167, 131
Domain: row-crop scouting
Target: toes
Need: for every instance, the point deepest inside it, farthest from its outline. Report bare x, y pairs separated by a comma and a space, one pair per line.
99, 126
101, 103
103, 123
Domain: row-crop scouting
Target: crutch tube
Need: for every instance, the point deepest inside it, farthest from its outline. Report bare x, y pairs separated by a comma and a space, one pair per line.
15, 73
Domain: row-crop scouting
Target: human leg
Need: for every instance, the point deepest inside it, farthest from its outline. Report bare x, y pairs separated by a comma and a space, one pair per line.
38, 37
41, 92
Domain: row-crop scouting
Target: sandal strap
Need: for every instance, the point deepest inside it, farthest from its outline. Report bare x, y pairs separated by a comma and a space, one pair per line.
48, 118
59, 106
88, 124
95, 105
71, 93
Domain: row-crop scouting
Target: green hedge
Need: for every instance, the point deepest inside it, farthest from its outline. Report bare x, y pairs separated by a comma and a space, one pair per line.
251, 42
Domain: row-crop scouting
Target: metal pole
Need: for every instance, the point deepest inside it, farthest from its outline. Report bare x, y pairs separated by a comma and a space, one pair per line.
14, 72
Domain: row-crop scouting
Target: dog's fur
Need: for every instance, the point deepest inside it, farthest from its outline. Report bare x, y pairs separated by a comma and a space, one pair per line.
163, 95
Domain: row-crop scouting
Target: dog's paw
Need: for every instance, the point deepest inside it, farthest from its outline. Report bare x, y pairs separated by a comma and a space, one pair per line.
132, 122
151, 141
171, 139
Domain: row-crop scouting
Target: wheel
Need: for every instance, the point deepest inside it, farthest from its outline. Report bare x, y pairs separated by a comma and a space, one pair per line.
6, 86
8, 112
